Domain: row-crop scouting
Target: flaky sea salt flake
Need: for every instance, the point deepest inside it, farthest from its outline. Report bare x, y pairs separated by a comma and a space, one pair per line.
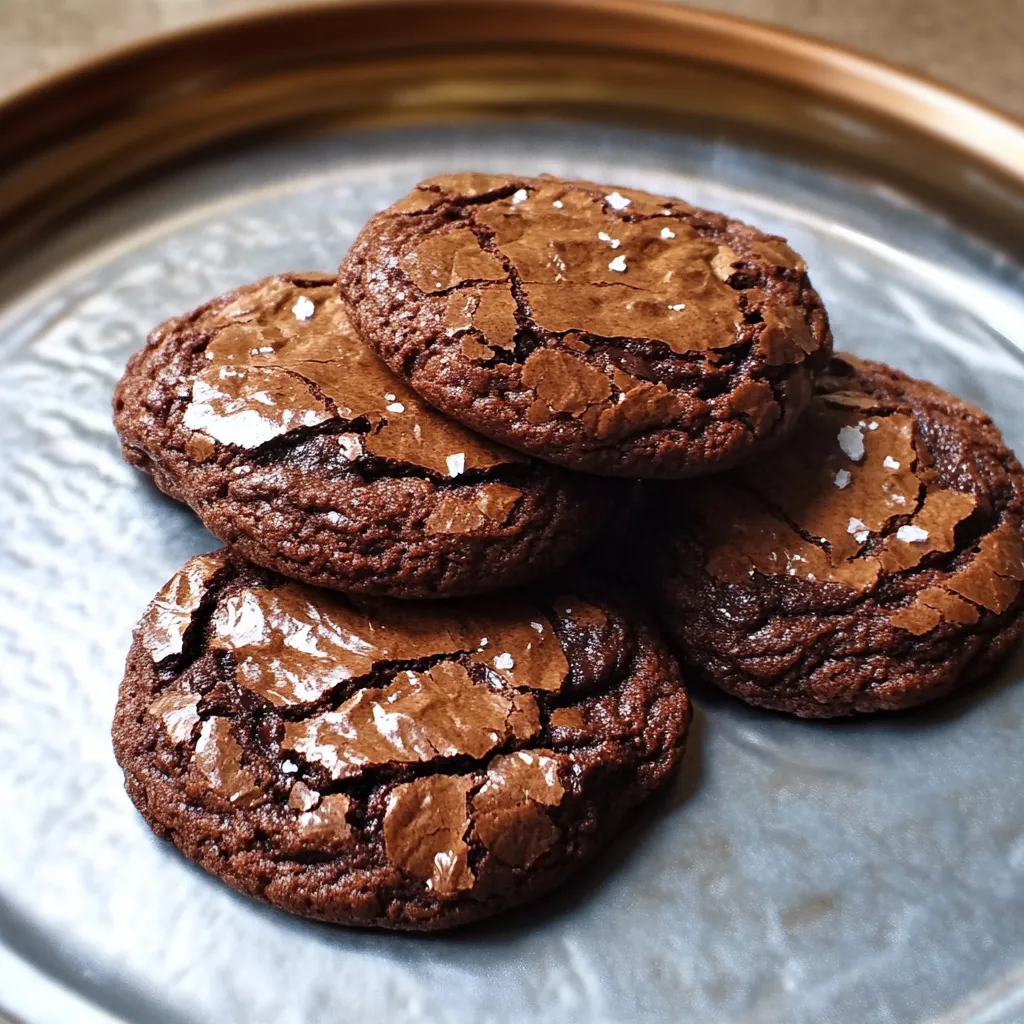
859, 530
851, 440
617, 201
618, 264
911, 534
303, 308
456, 463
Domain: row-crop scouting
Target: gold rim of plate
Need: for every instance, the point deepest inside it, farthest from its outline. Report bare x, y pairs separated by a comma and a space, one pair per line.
72, 139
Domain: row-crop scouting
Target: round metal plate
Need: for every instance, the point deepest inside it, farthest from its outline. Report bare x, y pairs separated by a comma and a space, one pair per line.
861, 872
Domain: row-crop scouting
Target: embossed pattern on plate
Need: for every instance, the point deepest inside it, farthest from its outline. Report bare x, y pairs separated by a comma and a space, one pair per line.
866, 872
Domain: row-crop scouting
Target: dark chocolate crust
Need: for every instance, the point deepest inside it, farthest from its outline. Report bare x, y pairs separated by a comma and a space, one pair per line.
220, 733
786, 586
610, 331
320, 496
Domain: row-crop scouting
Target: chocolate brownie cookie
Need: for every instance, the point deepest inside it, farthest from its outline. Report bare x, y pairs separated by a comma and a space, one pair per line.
400, 764
302, 452
874, 563
600, 328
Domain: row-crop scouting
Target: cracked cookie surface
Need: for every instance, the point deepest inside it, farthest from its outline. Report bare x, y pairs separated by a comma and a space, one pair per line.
874, 563
408, 765
302, 452
600, 328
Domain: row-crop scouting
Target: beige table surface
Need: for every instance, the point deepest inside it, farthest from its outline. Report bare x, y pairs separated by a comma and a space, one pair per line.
977, 45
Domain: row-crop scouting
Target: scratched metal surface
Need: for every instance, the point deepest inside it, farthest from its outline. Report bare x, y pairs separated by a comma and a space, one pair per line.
862, 872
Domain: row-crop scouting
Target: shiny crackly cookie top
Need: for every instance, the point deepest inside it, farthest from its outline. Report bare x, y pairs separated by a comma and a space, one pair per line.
589, 263
439, 682
282, 356
852, 497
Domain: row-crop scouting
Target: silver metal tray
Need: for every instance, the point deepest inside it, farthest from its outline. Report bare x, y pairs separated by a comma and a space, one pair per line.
861, 872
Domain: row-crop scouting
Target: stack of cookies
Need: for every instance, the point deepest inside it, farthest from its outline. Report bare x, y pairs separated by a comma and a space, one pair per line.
401, 694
